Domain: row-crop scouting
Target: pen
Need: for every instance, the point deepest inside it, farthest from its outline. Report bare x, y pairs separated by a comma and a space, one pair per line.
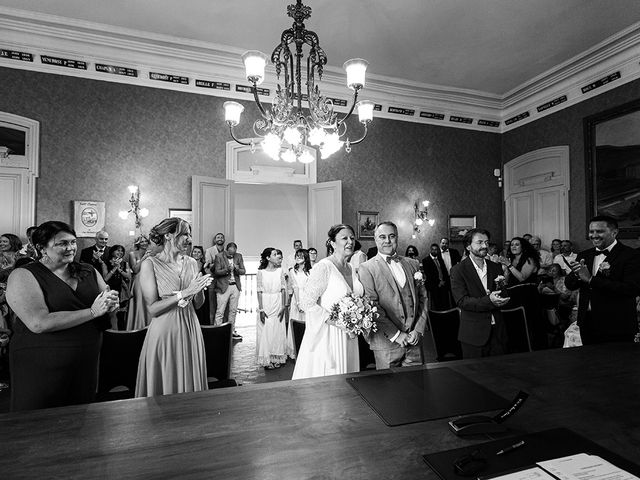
511, 447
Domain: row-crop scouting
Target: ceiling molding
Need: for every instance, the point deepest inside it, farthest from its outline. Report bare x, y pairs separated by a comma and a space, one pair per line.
609, 64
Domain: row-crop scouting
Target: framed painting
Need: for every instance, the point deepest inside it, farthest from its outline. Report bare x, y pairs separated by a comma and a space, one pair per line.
612, 151
367, 223
186, 215
459, 225
88, 217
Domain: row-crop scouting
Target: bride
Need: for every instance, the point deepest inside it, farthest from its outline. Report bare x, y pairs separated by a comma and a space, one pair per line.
327, 349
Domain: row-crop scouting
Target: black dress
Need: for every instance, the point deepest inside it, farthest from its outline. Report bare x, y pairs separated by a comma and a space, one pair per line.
59, 368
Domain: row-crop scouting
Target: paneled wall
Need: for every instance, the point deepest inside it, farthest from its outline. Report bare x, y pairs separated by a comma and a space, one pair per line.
98, 137
566, 128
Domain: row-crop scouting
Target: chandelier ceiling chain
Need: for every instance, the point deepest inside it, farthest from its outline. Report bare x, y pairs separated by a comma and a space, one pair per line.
288, 133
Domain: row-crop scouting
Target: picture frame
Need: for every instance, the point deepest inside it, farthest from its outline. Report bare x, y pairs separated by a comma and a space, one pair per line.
88, 217
186, 215
459, 225
612, 158
367, 223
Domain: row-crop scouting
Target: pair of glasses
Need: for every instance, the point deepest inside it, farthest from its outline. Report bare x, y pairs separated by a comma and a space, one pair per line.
471, 464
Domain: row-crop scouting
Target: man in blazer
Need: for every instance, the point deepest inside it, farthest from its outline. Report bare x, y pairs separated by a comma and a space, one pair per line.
228, 265
390, 282
97, 254
437, 280
608, 276
450, 256
473, 283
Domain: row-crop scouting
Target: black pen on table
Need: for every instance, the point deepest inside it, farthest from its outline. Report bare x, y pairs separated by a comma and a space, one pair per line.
511, 447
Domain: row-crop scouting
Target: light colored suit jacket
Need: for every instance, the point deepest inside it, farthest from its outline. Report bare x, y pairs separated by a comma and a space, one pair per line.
381, 288
222, 272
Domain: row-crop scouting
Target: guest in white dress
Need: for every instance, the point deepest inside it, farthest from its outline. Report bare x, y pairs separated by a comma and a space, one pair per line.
173, 357
327, 349
298, 277
272, 294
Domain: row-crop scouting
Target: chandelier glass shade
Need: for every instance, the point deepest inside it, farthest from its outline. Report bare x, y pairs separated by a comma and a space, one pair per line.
290, 127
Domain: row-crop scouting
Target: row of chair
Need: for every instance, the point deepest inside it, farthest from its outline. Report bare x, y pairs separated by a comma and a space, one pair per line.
444, 331
120, 352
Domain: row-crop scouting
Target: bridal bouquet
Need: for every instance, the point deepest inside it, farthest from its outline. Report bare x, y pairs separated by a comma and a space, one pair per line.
355, 314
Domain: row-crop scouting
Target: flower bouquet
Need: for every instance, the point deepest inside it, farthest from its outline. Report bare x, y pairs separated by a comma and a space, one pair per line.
355, 314
501, 285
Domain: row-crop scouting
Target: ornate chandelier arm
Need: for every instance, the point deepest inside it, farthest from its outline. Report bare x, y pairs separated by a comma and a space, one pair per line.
353, 106
235, 138
355, 142
263, 112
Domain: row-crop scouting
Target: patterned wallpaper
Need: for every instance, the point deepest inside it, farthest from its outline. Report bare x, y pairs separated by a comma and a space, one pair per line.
98, 137
566, 128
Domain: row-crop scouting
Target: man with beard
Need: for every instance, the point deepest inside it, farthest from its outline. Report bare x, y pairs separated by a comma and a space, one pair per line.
209, 267
473, 283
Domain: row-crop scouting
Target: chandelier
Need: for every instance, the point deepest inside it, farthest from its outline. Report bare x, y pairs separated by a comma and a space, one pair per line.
286, 129
134, 202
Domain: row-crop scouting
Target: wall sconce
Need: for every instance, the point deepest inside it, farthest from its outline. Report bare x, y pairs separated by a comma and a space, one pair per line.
498, 174
134, 201
421, 216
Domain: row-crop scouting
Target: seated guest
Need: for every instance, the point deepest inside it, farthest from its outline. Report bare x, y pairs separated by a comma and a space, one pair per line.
555, 247
10, 246
546, 259
566, 256
520, 268
61, 309
482, 332
197, 253
173, 357
117, 274
559, 316
608, 277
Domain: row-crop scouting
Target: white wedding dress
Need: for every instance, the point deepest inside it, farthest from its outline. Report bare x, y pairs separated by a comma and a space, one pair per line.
325, 349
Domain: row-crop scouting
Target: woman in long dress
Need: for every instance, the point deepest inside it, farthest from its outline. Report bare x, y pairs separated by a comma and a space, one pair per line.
137, 315
298, 277
272, 292
173, 357
327, 349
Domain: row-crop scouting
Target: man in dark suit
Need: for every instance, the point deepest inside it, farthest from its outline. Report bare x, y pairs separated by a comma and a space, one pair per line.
473, 282
97, 254
437, 280
450, 256
228, 266
608, 277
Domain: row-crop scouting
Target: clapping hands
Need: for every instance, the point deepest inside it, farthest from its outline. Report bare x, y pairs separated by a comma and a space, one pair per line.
199, 283
106, 302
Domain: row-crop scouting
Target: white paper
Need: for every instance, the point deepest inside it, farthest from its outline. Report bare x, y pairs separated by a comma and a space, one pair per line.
534, 473
583, 466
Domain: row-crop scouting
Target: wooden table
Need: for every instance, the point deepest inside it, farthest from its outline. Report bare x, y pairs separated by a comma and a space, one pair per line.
316, 428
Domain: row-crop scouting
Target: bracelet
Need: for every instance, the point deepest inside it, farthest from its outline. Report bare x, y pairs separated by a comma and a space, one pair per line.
181, 301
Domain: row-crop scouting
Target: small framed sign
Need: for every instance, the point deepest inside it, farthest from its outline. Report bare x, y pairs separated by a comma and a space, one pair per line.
88, 217
186, 215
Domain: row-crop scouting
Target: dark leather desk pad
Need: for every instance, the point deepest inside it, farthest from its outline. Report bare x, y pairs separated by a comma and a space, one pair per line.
419, 395
545, 445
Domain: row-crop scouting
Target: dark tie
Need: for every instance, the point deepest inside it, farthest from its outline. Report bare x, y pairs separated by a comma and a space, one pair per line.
393, 258
602, 252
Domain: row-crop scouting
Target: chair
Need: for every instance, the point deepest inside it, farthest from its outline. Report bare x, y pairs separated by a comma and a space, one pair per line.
298, 332
515, 320
444, 327
217, 346
118, 366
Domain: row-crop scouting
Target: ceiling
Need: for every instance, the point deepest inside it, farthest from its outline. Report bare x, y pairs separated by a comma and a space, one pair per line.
490, 46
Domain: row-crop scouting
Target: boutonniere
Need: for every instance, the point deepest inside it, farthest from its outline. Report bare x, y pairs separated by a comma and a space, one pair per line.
418, 278
604, 268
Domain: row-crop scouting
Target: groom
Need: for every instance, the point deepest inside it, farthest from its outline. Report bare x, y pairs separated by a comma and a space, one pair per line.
389, 282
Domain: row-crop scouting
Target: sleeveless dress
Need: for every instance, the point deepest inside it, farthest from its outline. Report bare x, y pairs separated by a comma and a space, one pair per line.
326, 349
271, 337
58, 368
173, 357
